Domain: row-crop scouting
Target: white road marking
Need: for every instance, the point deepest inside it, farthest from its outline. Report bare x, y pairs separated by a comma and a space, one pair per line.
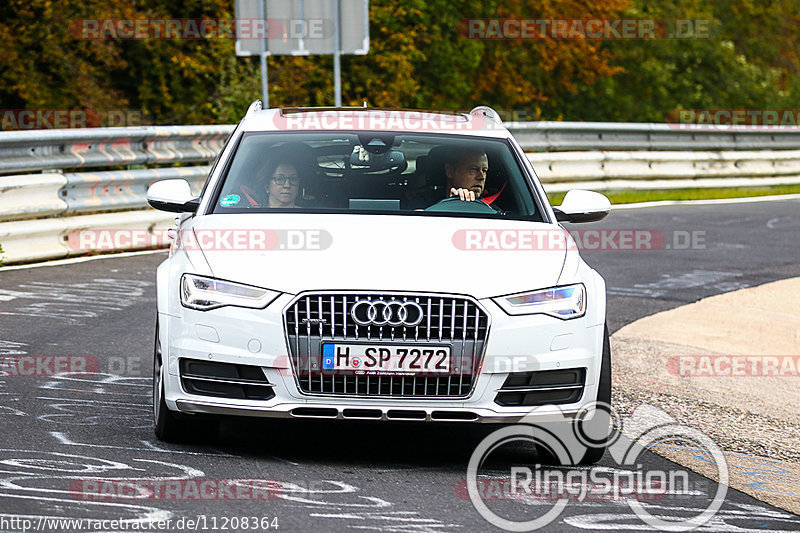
18, 467
73, 301
62, 438
12, 348
719, 280
404, 521
74, 260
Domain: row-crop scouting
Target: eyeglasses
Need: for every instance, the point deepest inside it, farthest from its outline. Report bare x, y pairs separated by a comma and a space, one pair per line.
281, 180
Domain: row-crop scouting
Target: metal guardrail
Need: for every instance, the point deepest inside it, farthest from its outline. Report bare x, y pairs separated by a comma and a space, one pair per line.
592, 166
41, 211
569, 136
30, 151
662, 170
31, 196
88, 192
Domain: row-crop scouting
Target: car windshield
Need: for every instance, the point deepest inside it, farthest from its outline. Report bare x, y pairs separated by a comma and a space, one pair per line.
368, 172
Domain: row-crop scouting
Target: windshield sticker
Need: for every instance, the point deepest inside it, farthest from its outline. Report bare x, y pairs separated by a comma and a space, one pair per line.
230, 200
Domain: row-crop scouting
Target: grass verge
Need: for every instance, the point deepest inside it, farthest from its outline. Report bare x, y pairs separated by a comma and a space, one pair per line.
635, 196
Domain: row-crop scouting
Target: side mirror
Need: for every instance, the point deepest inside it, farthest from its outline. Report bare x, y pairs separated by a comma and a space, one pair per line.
174, 196
583, 206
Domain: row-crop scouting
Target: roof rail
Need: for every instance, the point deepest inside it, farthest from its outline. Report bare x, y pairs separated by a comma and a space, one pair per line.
285, 110
255, 106
488, 112
306, 109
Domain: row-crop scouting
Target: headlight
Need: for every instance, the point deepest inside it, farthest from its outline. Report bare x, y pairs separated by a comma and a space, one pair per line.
564, 302
202, 293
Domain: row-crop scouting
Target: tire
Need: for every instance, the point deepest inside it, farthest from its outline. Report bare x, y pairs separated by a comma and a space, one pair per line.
167, 426
595, 452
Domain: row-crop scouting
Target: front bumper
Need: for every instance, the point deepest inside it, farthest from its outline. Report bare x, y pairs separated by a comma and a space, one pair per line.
321, 410
256, 337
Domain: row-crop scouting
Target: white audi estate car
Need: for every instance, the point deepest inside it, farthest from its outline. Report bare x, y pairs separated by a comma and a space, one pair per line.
373, 264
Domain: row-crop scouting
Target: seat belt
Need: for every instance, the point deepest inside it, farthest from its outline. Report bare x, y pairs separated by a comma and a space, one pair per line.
245, 190
489, 199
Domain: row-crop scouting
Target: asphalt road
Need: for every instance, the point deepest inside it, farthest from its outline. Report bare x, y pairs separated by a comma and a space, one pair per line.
60, 434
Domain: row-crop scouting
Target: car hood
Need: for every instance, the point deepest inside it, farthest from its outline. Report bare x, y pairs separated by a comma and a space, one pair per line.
293, 253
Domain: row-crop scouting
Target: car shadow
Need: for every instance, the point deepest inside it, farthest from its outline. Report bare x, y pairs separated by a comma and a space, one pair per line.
363, 443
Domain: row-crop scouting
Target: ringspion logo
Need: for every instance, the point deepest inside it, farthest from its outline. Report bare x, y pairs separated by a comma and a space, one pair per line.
567, 438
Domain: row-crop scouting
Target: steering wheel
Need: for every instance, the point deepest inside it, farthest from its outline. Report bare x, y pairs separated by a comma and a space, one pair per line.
456, 205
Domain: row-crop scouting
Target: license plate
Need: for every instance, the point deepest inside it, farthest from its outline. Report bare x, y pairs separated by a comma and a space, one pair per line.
386, 359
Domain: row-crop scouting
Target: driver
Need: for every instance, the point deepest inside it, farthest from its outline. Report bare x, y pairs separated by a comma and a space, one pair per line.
466, 174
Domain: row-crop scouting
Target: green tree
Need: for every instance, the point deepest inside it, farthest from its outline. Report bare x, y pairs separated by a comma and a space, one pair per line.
733, 68
43, 67
418, 58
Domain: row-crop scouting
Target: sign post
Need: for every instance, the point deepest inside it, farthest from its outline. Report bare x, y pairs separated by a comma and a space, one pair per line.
337, 56
262, 52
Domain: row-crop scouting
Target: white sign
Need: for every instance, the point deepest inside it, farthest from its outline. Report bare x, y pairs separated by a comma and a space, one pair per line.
302, 27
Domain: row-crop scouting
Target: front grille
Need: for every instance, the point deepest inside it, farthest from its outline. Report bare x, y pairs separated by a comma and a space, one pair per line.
545, 387
225, 380
314, 319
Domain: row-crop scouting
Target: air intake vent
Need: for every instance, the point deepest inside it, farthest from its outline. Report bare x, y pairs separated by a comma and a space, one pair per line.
225, 380
542, 388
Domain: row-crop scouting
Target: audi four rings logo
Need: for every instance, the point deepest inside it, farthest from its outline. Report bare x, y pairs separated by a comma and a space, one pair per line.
381, 313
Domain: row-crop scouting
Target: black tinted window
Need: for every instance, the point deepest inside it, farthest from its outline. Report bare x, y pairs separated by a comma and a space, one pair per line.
373, 171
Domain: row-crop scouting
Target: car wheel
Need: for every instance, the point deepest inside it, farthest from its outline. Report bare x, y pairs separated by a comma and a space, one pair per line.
166, 424
595, 451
